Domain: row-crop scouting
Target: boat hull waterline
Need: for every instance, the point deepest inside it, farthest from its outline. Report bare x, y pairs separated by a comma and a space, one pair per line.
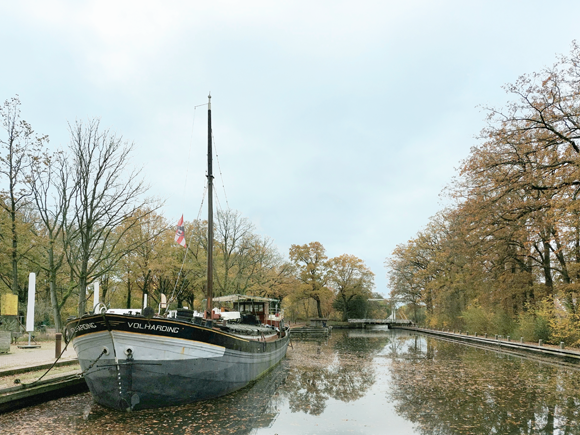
133, 363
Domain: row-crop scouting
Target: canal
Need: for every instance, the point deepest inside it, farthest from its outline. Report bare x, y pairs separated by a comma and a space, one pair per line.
356, 382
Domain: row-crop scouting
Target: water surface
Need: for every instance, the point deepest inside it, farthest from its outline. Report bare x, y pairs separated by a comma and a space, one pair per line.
356, 382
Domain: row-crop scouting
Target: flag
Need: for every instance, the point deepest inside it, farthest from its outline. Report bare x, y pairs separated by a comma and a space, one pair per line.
180, 233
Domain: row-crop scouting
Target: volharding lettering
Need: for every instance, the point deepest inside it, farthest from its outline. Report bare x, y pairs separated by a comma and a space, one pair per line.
148, 326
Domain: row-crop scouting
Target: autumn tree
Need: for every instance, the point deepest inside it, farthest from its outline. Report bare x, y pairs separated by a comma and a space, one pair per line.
511, 241
312, 269
352, 282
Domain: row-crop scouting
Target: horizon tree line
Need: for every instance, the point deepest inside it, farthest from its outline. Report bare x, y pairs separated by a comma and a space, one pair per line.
504, 257
80, 215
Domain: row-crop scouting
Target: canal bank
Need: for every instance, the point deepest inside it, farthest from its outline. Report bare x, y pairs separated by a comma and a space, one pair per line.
32, 376
505, 344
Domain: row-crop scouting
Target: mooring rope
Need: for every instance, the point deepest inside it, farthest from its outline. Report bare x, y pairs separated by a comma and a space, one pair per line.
53, 364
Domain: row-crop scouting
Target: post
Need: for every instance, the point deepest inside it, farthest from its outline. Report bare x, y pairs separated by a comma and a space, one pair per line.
30, 308
96, 295
58, 341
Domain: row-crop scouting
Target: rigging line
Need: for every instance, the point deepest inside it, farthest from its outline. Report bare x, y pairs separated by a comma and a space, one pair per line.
191, 140
220, 170
202, 200
181, 289
219, 205
173, 295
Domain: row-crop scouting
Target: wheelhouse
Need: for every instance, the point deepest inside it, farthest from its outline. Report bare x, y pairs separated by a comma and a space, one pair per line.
252, 308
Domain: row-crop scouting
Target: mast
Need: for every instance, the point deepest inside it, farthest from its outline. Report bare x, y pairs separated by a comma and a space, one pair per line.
209, 215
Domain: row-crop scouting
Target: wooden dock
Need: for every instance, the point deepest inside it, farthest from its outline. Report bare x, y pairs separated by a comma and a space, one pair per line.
30, 393
21, 395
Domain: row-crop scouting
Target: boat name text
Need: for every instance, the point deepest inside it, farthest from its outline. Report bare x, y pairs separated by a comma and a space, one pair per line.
85, 326
150, 327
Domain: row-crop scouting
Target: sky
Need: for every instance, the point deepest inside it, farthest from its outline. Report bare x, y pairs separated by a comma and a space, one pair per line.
334, 121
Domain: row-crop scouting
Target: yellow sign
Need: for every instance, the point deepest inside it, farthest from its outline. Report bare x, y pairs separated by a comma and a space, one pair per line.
9, 305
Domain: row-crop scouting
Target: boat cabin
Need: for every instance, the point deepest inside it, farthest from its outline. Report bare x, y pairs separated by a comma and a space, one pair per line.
254, 310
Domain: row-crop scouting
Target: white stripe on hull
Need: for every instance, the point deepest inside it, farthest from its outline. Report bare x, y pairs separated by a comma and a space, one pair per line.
143, 347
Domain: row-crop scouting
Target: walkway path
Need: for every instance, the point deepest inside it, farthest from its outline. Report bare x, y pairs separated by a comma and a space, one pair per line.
18, 358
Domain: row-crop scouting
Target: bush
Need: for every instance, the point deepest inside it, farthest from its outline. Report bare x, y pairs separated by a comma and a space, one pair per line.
527, 327
476, 319
503, 323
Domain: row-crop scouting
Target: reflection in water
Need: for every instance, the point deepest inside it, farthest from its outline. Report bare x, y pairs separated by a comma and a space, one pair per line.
238, 413
341, 369
446, 388
365, 382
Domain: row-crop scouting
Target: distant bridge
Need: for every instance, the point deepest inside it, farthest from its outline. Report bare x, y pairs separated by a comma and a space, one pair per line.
380, 321
391, 320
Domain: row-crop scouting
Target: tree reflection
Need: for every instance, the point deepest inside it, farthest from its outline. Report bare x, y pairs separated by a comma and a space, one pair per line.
340, 370
447, 388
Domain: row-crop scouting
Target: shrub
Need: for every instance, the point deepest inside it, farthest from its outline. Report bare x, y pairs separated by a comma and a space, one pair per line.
476, 319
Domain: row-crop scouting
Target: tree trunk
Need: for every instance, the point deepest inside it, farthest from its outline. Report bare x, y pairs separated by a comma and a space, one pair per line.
82, 294
344, 307
318, 307
55, 308
547, 266
128, 305
15, 286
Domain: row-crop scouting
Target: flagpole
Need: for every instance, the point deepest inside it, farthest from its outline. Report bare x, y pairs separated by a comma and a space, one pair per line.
209, 215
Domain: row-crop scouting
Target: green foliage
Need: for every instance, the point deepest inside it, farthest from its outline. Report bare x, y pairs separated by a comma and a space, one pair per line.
356, 308
503, 323
476, 319
530, 327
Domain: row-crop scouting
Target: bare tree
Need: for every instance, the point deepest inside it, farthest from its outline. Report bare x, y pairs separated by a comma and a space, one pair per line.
52, 193
19, 148
234, 243
233, 240
106, 206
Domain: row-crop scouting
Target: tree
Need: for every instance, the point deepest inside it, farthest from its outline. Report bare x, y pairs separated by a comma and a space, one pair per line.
20, 148
107, 197
511, 242
353, 283
52, 193
312, 268
234, 240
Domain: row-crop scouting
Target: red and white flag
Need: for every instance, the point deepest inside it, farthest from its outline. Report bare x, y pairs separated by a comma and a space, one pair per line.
180, 233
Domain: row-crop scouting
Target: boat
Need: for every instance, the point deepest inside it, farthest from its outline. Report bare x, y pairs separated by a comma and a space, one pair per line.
138, 359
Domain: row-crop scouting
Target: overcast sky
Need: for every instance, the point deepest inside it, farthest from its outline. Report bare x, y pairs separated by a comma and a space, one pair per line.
334, 121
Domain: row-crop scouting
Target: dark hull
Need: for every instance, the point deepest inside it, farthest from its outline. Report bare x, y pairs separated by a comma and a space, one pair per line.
133, 363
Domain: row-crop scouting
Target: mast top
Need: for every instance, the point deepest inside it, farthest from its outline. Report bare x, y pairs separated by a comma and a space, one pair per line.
209, 102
